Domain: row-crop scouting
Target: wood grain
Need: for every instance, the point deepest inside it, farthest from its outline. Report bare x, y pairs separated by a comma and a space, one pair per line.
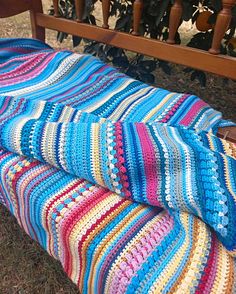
12, 7
218, 64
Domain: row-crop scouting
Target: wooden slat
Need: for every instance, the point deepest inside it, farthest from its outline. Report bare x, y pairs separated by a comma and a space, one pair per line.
175, 18
56, 8
222, 24
105, 12
79, 9
37, 31
202, 60
137, 14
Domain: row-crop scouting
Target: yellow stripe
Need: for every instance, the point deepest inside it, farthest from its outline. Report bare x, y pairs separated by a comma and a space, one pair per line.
99, 103
96, 155
112, 239
159, 105
186, 285
131, 246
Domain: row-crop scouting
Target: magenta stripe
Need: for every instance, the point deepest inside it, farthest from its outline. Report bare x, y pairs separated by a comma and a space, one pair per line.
34, 69
4, 106
22, 67
192, 113
150, 164
153, 237
174, 108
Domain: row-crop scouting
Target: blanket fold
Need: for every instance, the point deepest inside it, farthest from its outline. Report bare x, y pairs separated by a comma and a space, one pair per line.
126, 184
151, 163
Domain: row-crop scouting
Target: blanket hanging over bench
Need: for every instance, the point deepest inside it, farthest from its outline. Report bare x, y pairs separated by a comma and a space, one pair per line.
126, 184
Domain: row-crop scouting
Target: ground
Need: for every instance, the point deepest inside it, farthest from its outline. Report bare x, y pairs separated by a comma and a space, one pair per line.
24, 266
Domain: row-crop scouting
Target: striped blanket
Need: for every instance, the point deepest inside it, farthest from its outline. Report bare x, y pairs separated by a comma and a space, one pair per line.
126, 184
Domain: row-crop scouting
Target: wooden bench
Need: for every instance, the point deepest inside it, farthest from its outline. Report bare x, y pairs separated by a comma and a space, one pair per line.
211, 61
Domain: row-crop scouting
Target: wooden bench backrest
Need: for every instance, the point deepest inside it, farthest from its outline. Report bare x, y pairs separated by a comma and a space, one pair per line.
210, 61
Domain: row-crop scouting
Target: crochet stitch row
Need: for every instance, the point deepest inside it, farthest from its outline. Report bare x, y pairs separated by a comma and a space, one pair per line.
155, 164
118, 180
107, 244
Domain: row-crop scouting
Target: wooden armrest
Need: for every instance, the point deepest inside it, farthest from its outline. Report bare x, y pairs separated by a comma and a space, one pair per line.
227, 133
13, 7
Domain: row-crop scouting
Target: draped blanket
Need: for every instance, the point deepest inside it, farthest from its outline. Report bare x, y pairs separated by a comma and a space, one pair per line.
126, 184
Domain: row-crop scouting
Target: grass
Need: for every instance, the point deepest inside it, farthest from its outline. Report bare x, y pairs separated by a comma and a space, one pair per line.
24, 266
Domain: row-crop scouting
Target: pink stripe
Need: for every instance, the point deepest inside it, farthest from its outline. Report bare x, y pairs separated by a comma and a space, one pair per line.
17, 58
122, 241
18, 49
4, 177
14, 113
22, 67
100, 70
31, 73
61, 97
136, 257
150, 164
5, 104
190, 116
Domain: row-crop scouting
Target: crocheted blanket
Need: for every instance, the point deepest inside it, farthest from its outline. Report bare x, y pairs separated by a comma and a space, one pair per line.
126, 184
